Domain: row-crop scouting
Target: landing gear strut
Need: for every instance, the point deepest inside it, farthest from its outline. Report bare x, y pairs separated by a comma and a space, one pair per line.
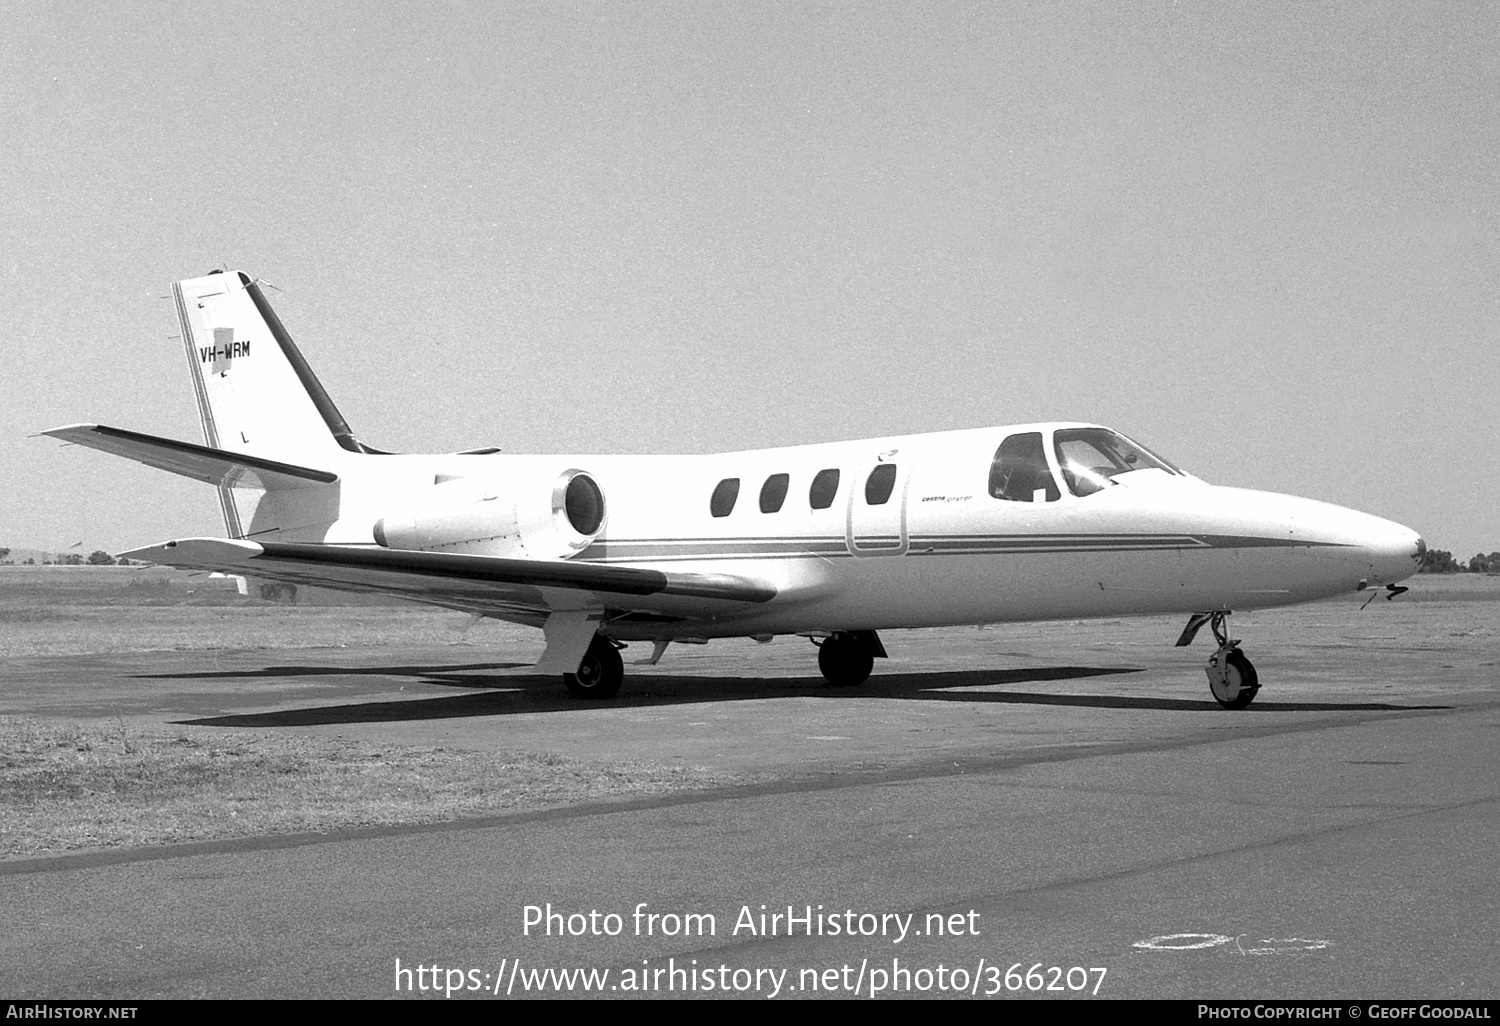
847, 657
600, 674
1231, 677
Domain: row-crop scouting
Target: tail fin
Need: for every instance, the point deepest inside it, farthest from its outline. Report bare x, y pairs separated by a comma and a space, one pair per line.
256, 394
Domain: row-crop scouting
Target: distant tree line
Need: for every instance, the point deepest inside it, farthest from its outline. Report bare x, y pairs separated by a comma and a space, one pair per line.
96, 558
1441, 561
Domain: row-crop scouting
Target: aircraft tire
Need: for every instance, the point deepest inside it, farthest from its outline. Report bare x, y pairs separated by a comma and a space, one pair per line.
845, 663
1241, 682
600, 674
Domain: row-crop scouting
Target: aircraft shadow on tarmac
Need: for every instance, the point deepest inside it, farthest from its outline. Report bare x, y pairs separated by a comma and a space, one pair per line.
522, 695
336, 671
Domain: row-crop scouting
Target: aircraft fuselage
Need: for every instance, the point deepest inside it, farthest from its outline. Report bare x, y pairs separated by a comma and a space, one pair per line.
939, 549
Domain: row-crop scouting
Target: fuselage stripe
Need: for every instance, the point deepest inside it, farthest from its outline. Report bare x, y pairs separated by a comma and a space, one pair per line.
678, 549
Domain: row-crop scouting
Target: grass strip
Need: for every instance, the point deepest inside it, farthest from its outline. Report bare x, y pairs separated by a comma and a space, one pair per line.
70, 787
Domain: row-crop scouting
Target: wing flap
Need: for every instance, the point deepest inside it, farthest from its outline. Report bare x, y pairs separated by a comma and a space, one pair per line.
200, 462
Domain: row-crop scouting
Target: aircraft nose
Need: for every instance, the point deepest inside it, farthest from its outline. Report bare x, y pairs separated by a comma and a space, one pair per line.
1374, 550
1339, 549
1394, 552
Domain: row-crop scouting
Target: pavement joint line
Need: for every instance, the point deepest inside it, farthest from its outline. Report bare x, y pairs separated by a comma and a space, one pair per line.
842, 778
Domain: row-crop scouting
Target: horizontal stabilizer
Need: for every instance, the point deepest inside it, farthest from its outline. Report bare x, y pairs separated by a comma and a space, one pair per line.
488, 583
200, 462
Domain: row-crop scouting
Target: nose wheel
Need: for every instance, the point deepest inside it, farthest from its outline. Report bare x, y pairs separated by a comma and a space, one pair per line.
1231, 675
1232, 679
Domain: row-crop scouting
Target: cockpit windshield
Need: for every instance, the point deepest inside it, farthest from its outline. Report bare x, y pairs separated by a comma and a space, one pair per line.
1091, 458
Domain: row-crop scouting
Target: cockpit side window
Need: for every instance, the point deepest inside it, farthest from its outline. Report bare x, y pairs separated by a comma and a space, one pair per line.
1019, 471
1091, 458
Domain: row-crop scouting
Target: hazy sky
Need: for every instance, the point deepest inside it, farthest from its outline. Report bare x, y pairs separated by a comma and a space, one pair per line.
1260, 238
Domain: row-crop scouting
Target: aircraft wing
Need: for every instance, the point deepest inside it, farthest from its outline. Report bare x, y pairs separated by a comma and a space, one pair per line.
200, 462
488, 584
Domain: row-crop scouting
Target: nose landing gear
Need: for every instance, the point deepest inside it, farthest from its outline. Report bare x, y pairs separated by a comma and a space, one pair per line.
1231, 676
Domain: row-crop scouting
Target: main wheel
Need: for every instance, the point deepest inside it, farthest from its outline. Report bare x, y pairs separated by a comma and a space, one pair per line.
1240, 682
845, 662
600, 674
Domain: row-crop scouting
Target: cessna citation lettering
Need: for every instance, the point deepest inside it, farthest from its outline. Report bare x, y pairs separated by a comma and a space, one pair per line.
833, 542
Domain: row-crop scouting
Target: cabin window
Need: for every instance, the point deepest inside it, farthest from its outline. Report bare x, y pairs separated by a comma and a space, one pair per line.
1091, 458
880, 484
1019, 471
824, 487
773, 493
722, 502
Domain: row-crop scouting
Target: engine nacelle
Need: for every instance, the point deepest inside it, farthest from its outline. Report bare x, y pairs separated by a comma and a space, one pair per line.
546, 515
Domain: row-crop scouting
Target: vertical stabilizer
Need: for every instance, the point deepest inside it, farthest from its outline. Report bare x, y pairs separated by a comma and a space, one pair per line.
256, 394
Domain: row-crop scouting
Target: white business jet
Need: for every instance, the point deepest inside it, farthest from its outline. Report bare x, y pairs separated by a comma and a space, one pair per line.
833, 542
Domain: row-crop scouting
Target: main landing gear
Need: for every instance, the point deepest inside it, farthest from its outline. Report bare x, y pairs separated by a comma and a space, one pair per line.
600, 674
1231, 676
847, 657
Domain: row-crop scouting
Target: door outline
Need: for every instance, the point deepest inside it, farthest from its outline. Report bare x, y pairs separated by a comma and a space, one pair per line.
867, 528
